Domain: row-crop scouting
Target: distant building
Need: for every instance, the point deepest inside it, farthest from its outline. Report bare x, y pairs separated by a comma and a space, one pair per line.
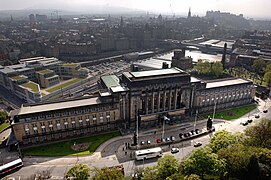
32, 18
189, 13
41, 18
25, 79
181, 61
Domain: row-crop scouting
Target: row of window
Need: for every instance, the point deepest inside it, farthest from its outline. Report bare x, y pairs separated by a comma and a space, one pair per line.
65, 124
67, 113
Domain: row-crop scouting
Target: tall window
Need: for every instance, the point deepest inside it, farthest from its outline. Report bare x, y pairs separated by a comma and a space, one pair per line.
101, 118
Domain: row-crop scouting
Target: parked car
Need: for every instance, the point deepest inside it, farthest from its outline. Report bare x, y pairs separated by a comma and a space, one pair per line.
265, 111
158, 140
167, 139
181, 135
197, 131
257, 116
172, 138
148, 142
245, 123
142, 143
249, 120
197, 144
174, 150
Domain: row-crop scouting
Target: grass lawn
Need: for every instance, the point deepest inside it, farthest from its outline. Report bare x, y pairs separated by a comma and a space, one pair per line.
233, 113
64, 148
64, 85
3, 126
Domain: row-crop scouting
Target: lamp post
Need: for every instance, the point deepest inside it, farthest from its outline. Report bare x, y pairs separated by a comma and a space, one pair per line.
195, 120
76, 153
163, 131
18, 147
216, 98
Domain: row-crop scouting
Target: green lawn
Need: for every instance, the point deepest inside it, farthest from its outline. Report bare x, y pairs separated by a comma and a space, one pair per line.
64, 148
31, 85
64, 85
3, 126
233, 113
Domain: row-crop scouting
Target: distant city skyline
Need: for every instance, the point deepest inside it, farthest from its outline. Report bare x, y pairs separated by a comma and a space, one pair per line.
249, 8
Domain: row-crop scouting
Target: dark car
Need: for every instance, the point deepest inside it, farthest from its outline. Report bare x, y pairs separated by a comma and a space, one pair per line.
181, 135
249, 120
158, 140
142, 143
257, 116
245, 123
265, 111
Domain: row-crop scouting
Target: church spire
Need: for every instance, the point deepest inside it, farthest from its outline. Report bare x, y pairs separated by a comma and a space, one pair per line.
189, 13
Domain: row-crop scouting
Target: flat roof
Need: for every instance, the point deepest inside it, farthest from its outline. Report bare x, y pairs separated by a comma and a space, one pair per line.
110, 80
118, 89
153, 63
225, 83
31, 85
58, 105
7, 70
18, 78
140, 74
45, 71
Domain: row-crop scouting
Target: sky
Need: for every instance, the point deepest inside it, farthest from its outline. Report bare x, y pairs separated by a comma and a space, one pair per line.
250, 8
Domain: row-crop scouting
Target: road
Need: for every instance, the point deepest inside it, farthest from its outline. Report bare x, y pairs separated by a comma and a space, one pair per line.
114, 152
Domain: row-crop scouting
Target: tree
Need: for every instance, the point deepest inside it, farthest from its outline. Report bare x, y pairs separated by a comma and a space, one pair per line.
222, 139
192, 177
3, 116
253, 168
79, 172
260, 134
258, 65
209, 68
267, 78
217, 69
203, 162
167, 166
108, 174
202, 67
268, 68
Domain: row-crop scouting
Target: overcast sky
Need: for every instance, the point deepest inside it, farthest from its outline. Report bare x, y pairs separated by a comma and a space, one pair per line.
250, 8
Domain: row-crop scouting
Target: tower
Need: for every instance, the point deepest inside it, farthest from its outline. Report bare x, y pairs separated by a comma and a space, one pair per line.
189, 13
223, 60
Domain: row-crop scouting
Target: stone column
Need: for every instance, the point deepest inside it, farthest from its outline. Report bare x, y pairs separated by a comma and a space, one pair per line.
147, 103
175, 98
152, 103
158, 101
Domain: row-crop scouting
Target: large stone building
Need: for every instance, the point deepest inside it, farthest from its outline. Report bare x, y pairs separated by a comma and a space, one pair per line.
143, 96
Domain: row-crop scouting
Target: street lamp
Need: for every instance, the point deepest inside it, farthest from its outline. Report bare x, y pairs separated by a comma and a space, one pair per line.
216, 98
76, 153
195, 120
17, 144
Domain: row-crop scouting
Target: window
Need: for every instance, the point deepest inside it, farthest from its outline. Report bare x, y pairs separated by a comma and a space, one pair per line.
35, 128
51, 126
26, 130
94, 119
66, 124
108, 126
108, 116
73, 125
101, 118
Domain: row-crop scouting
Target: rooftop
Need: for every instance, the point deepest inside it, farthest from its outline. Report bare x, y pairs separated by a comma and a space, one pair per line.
18, 78
110, 81
31, 85
57, 105
226, 83
45, 71
69, 65
159, 72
